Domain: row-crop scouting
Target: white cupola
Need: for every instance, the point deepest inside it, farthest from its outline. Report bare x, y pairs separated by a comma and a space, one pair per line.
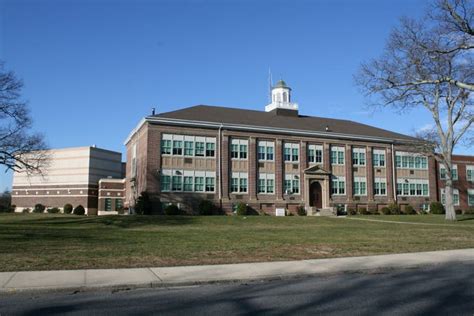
281, 98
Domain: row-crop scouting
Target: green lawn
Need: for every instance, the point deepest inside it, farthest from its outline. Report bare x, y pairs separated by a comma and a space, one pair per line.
46, 241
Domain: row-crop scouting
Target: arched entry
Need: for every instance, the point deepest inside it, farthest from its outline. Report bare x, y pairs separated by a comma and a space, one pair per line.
315, 195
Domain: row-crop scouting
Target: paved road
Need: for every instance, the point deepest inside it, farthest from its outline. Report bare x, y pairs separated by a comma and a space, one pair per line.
436, 290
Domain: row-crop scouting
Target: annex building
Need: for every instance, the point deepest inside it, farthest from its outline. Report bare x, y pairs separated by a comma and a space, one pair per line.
274, 158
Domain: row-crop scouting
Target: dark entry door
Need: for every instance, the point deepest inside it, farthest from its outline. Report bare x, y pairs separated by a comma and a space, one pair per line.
315, 195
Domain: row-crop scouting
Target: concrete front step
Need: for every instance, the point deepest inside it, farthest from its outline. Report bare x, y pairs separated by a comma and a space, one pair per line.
313, 211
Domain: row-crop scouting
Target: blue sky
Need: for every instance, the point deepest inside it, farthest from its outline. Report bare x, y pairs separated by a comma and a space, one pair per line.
92, 69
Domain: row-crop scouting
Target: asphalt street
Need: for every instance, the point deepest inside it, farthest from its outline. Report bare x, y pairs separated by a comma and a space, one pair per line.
434, 290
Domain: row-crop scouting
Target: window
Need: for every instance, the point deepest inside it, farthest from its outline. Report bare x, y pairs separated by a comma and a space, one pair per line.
199, 149
118, 204
292, 184
360, 186
238, 182
337, 155
210, 184
291, 152
210, 149
338, 185
405, 160
454, 172
199, 184
188, 183
238, 149
455, 197
412, 187
166, 147
187, 180
470, 173
265, 150
266, 183
165, 183
315, 154
108, 204
358, 156
177, 182
188, 148
378, 158
380, 186
470, 197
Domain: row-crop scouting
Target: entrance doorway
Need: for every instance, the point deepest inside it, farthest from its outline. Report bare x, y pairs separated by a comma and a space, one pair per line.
315, 195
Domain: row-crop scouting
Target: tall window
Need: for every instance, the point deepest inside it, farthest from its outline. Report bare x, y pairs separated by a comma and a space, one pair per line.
188, 148
470, 197
199, 184
191, 146
360, 186
315, 154
238, 182
199, 149
378, 158
166, 147
238, 149
210, 149
470, 173
338, 185
380, 186
291, 152
292, 184
165, 182
108, 204
188, 183
177, 182
265, 150
118, 204
358, 156
266, 183
455, 197
177, 147
454, 172
210, 184
337, 155
412, 187
187, 180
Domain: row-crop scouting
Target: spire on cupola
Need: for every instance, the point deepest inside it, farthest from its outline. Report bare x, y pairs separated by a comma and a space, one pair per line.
281, 98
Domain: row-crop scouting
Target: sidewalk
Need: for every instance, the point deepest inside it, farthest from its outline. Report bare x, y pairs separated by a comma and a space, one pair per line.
187, 275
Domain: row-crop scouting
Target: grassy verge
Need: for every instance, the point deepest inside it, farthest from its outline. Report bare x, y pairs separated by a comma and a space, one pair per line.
47, 242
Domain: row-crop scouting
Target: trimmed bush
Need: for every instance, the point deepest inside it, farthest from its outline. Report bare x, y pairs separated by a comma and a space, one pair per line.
67, 208
386, 211
79, 210
351, 211
469, 211
394, 210
409, 210
363, 211
374, 212
458, 211
26, 210
172, 209
39, 208
241, 209
437, 208
53, 210
206, 207
301, 211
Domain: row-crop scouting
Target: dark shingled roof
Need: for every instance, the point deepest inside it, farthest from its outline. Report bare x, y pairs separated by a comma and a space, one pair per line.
217, 114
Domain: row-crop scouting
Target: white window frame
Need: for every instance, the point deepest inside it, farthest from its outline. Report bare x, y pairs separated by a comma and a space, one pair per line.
454, 176
240, 142
338, 150
470, 192
239, 176
266, 177
292, 178
338, 180
408, 181
291, 147
379, 153
188, 138
471, 169
356, 154
316, 148
359, 180
188, 173
455, 192
409, 158
266, 145
380, 181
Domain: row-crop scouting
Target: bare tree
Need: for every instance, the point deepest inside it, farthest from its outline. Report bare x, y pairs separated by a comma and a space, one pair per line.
20, 150
428, 63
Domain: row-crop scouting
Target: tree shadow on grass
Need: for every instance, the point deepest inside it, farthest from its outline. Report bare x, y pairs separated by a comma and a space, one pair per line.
468, 218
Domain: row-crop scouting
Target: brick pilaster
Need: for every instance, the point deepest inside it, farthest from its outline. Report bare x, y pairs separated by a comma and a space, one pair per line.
349, 173
303, 166
390, 176
252, 171
225, 161
370, 174
152, 160
327, 156
279, 174
433, 167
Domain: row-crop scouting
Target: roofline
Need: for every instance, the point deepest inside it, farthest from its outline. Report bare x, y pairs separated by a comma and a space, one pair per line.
216, 125
134, 131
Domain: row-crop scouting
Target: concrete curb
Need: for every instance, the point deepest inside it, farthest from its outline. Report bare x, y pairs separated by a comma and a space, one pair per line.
119, 279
